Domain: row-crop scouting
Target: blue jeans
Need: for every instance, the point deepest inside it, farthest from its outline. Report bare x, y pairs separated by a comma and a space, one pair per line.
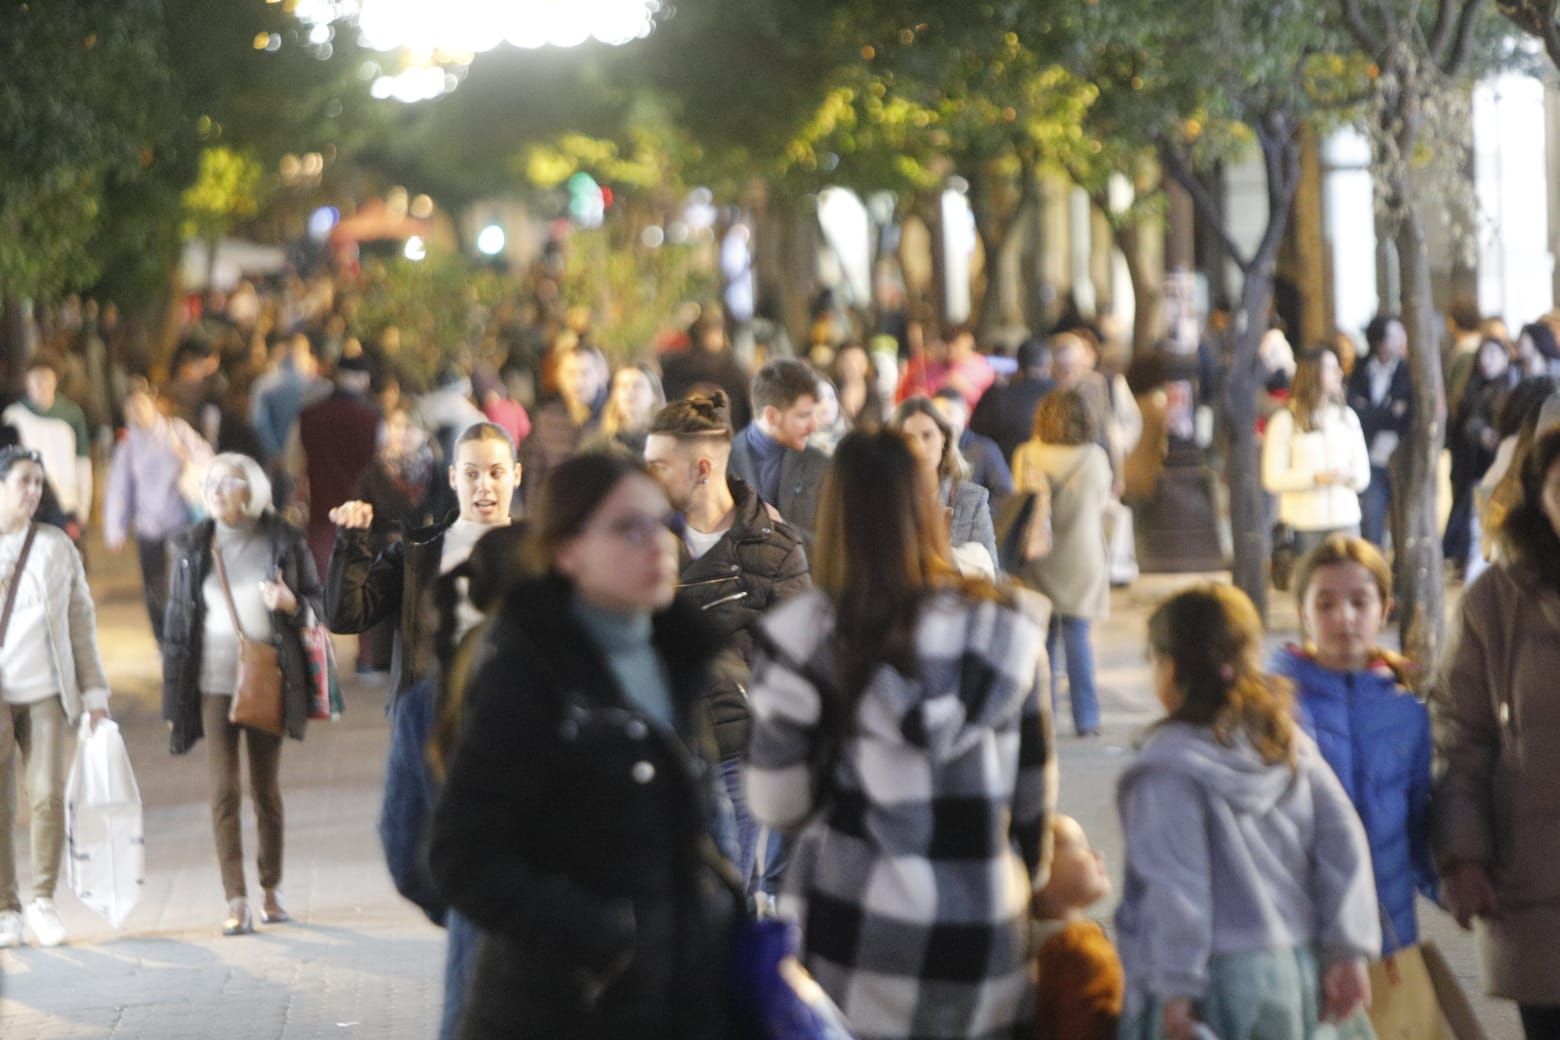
747, 827
1072, 634
1376, 506
460, 951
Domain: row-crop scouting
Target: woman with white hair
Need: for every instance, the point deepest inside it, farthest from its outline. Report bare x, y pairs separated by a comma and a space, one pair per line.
242, 574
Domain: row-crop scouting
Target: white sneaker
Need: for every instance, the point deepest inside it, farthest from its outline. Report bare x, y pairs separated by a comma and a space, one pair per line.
45, 922
10, 929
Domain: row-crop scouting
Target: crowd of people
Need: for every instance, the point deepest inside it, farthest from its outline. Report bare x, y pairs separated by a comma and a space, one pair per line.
691, 642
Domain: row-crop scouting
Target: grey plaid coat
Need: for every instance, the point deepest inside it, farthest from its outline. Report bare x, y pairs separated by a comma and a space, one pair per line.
922, 837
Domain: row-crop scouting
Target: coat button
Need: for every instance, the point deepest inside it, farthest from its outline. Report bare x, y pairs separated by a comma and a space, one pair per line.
636, 729
736, 568
643, 772
569, 730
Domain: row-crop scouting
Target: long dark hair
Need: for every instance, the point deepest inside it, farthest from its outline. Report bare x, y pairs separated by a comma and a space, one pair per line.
569, 498
881, 547
1307, 401
1213, 636
1527, 536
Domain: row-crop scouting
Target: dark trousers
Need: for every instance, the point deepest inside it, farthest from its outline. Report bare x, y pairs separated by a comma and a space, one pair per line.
1541, 1023
226, 792
1376, 507
154, 581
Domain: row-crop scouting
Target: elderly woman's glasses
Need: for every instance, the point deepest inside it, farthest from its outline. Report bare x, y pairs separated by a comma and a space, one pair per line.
229, 484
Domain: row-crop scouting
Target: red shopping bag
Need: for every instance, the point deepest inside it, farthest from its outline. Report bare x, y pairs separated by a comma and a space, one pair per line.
324, 684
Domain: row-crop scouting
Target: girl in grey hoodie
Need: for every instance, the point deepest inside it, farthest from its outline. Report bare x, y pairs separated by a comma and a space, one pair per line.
1249, 907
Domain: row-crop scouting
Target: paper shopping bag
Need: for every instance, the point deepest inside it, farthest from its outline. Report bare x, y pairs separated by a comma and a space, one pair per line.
1415, 996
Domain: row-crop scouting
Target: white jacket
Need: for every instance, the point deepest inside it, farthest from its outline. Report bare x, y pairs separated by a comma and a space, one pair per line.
1292, 461
55, 564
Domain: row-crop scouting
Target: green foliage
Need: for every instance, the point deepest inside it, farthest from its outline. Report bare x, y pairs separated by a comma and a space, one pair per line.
226, 190
633, 293
435, 303
67, 136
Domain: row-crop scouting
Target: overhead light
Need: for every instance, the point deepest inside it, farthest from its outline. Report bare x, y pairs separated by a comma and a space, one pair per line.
490, 240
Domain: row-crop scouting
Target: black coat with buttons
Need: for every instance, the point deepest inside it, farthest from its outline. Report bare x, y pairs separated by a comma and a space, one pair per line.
574, 831
185, 622
756, 564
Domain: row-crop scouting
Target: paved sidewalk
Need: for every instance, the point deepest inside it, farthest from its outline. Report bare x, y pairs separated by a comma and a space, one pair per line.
360, 961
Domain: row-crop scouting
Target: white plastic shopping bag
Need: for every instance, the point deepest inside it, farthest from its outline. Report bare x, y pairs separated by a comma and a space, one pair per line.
105, 851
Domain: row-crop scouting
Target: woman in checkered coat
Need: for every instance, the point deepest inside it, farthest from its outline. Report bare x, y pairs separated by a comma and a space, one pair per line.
899, 724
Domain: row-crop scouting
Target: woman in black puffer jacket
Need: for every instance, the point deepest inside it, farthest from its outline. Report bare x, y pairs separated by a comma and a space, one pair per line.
574, 826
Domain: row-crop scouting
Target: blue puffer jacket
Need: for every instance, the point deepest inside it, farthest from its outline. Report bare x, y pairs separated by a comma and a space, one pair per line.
1376, 736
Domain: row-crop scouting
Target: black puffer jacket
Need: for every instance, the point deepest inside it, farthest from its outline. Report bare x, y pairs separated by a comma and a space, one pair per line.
185, 625
362, 590
573, 830
758, 563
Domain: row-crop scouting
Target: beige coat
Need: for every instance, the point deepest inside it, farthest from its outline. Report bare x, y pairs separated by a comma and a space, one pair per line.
1075, 576
1495, 712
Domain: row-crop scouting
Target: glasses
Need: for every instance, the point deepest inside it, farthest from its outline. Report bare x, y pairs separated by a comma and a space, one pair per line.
641, 529
229, 484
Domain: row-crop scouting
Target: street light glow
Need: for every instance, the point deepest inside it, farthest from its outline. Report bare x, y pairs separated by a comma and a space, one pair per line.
490, 240
469, 27
415, 249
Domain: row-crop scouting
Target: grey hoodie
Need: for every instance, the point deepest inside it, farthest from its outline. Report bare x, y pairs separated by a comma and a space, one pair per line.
1227, 854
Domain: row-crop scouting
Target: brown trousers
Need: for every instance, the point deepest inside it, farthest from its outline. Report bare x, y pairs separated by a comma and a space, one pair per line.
39, 731
226, 791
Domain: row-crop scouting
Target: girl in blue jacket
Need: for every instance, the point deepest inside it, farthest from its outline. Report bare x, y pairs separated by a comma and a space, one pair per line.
1353, 697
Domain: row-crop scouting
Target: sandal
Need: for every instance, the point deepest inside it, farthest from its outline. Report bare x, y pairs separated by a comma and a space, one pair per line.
273, 912
239, 920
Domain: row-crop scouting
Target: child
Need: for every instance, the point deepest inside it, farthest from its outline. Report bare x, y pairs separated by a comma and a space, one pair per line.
1248, 906
1370, 727
1078, 988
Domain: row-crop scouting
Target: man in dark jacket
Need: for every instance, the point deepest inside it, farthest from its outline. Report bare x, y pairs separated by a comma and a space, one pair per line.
771, 454
1382, 396
1006, 413
708, 362
737, 561
337, 438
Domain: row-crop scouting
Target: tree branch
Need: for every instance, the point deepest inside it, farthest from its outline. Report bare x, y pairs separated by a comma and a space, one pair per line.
1440, 33
1181, 172
1369, 42
1536, 17
1462, 41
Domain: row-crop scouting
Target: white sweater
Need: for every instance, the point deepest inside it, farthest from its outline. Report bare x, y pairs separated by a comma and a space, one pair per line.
1293, 460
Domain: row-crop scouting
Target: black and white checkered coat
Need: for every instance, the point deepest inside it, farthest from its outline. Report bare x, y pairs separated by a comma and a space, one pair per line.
920, 843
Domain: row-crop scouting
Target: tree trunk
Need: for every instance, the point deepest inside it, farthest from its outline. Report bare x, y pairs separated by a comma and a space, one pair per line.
1248, 508
1147, 294
1420, 586
14, 331
929, 208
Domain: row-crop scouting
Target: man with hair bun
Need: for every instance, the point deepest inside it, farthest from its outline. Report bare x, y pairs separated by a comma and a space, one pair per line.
738, 559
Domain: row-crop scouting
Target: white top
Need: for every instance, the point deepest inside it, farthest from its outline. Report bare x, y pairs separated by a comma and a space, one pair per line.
246, 552
27, 673
459, 539
1292, 461
698, 542
69, 473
